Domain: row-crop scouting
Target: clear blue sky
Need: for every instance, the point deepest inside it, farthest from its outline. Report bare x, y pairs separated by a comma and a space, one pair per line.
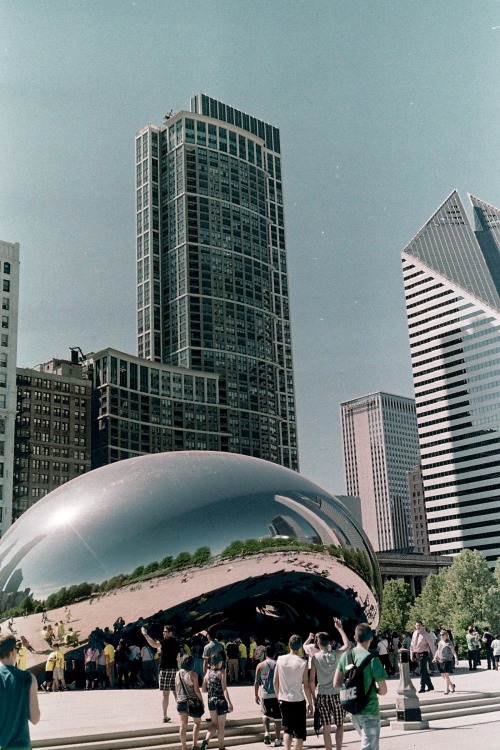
384, 108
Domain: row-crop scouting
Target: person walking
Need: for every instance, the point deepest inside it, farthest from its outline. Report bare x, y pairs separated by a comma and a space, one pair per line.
495, 645
169, 649
327, 701
58, 671
242, 658
18, 698
383, 652
367, 722
472, 642
219, 702
422, 650
122, 664
294, 694
213, 647
266, 697
189, 700
21, 656
487, 639
233, 666
109, 651
445, 659
91, 659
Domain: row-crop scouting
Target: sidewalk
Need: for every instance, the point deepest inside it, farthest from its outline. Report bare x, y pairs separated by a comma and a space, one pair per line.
77, 713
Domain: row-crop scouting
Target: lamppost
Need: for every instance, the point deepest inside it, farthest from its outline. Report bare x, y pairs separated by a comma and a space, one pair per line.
408, 713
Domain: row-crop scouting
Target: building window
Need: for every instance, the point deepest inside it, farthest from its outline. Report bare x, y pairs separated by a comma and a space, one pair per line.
6, 267
6, 285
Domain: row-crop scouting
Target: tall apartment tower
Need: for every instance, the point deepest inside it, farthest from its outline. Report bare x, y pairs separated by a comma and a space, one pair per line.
380, 441
452, 284
212, 288
9, 279
53, 430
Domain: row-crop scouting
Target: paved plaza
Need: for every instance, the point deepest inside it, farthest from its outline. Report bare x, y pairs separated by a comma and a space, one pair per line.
77, 713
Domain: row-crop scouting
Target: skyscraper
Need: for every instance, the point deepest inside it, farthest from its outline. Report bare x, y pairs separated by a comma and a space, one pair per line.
452, 284
380, 441
212, 288
9, 279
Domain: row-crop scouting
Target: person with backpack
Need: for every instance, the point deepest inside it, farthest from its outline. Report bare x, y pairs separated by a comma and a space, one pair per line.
363, 678
266, 697
328, 709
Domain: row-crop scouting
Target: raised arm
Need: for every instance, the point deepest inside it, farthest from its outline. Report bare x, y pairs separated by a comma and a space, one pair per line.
345, 640
152, 642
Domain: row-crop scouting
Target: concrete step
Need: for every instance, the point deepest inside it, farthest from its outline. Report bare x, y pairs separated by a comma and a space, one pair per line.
247, 731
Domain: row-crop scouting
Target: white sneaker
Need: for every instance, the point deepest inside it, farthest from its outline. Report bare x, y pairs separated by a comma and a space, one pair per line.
278, 743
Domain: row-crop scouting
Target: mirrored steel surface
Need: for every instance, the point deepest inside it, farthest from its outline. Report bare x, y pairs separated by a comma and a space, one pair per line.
137, 511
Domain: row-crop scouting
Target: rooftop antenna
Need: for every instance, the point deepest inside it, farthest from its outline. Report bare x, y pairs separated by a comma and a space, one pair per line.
169, 114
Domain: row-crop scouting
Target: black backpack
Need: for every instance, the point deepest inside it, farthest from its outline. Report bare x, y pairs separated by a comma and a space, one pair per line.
353, 695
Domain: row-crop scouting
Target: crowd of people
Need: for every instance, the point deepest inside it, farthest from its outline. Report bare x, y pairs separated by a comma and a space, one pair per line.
292, 679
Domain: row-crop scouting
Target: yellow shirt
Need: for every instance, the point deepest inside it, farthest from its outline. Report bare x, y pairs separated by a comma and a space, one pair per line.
51, 662
110, 652
242, 651
252, 648
22, 658
59, 659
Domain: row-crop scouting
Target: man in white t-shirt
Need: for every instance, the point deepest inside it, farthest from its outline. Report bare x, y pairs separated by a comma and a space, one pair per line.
292, 688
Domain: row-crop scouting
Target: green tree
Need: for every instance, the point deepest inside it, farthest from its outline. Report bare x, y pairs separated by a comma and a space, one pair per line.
468, 591
201, 556
430, 606
397, 600
183, 560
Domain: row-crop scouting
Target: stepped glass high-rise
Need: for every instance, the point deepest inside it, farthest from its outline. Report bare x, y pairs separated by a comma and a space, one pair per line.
452, 285
212, 288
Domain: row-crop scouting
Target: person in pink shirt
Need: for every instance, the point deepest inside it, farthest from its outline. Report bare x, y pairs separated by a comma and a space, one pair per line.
422, 650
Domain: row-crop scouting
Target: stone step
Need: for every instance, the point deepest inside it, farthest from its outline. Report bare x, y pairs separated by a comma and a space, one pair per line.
247, 731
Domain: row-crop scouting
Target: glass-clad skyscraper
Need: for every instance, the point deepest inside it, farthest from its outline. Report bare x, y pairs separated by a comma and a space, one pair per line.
452, 283
212, 289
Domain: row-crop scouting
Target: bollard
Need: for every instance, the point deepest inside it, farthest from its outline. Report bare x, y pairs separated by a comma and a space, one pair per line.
408, 714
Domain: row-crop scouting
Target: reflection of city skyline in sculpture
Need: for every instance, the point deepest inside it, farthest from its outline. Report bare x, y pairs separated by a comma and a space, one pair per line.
128, 514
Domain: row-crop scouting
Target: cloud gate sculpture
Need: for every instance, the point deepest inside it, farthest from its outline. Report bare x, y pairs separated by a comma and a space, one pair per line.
283, 553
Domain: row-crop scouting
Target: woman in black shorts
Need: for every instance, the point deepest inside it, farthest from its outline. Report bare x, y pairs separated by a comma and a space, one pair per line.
445, 659
189, 700
219, 702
